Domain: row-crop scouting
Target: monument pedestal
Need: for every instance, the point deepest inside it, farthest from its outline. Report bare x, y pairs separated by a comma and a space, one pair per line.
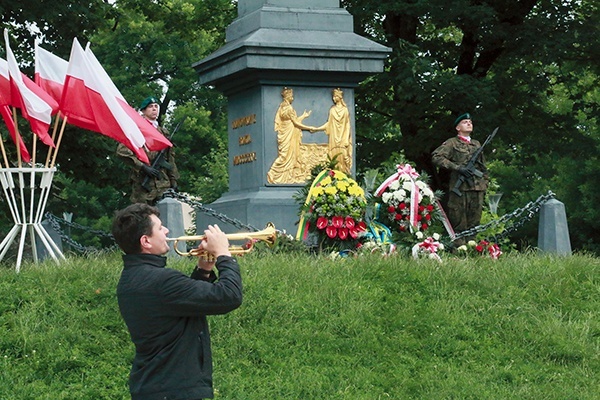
308, 46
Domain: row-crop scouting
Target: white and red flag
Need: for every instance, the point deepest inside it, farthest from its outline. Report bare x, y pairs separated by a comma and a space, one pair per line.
50, 72
90, 100
155, 141
35, 104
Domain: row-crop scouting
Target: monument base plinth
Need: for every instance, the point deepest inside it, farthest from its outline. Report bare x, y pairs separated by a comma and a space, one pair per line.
255, 209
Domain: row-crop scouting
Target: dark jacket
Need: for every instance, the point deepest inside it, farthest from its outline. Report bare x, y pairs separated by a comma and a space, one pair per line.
453, 154
165, 312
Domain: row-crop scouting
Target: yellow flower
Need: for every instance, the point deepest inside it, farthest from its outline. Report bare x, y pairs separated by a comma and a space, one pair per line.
339, 175
342, 185
356, 190
331, 190
317, 191
326, 181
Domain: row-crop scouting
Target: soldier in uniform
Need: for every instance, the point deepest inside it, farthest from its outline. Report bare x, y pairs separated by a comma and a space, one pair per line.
464, 211
161, 177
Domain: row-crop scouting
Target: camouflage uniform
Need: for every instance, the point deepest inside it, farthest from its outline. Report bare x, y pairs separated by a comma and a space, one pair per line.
168, 174
464, 211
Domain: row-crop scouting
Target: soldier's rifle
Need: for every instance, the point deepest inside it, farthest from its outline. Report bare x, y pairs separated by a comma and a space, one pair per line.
159, 160
470, 167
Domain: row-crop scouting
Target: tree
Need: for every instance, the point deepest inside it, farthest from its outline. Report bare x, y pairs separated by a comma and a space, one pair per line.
147, 48
522, 65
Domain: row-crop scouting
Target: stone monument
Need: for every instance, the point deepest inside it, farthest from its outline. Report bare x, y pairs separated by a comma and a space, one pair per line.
288, 70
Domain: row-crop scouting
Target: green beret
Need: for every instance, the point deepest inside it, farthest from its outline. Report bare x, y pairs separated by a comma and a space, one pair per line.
147, 101
460, 118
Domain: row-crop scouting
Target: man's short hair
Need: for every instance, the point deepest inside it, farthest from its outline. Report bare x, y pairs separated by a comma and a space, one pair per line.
130, 224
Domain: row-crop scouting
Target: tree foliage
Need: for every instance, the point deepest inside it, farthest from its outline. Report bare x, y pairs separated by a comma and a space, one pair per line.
147, 48
525, 66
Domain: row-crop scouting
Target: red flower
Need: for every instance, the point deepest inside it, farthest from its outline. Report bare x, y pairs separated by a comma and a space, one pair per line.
428, 217
391, 209
402, 206
331, 231
349, 222
424, 226
362, 226
421, 208
353, 232
430, 207
398, 217
479, 248
343, 233
322, 222
337, 222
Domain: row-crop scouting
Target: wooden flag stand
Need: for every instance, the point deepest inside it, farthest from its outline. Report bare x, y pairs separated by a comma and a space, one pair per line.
26, 191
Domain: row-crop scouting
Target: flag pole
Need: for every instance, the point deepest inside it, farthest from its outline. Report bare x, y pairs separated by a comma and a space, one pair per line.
17, 137
60, 135
4, 152
53, 136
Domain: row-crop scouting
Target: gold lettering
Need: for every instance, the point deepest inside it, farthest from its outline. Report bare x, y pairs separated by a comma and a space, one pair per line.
246, 139
244, 158
243, 121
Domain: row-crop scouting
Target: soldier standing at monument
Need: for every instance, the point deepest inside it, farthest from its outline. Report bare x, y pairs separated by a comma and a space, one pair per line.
149, 182
464, 210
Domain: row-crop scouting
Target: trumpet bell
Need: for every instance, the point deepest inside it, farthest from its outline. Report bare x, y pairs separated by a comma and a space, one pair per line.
267, 235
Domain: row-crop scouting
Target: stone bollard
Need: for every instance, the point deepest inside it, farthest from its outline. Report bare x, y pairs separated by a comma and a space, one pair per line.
171, 216
553, 231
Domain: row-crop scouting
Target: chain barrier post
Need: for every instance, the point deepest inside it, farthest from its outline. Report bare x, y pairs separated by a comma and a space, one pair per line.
553, 231
171, 216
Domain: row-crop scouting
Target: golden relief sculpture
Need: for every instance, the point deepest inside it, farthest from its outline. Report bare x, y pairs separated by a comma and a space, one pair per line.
337, 128
295, 159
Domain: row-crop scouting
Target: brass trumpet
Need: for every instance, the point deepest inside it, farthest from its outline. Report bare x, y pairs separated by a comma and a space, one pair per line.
268, 235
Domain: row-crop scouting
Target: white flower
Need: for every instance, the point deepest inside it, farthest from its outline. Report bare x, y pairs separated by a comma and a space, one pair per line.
462, 248
399, 195
441, 246
436, 236
427, 192
471, 243
407, 185
419, 235
386, 197
394, 185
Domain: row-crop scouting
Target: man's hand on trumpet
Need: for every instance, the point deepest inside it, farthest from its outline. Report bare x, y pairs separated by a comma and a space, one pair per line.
216, 244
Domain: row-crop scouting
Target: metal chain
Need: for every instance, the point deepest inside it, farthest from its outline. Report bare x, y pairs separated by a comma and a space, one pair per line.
198, 206
521, 215
56, 222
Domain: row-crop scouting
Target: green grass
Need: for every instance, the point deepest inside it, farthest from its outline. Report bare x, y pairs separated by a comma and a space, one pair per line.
523, 327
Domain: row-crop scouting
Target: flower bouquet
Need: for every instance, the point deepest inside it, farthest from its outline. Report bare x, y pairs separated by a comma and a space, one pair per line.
481, 248
428, 247
334, 211
406, 204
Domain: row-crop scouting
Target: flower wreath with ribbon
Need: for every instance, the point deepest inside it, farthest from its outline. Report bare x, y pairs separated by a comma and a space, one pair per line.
334, 209
406, 203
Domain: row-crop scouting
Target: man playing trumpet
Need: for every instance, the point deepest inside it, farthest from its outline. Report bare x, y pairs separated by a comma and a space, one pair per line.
165, 311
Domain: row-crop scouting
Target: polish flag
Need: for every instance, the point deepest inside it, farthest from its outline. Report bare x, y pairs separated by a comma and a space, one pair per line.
89, 100
50, 72
155, 141
10, 124
35, 104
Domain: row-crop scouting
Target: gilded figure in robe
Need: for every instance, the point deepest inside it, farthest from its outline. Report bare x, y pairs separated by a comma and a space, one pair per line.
287, 166
338, 130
